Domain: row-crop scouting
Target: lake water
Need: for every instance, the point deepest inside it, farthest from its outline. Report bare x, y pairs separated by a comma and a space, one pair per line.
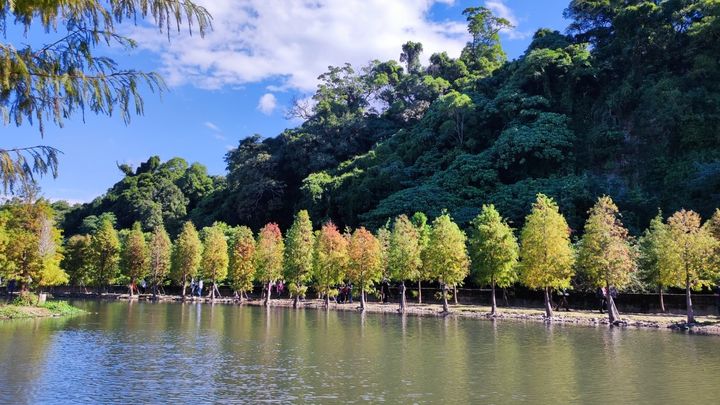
198, 353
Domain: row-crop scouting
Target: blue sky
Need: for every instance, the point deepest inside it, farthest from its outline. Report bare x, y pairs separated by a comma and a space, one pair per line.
240, 78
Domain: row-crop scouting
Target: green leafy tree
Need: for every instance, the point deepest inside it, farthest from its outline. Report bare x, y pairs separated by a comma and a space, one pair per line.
484, 53
365, 261
330, 260
494, 251
457, 106
215, 260
606, 255
404, 258
105, 254
446, 256
411, 52
134, 257
77, 260
653, 266
419, 220
299, 249
160, 258
186, 255
242, 261
269, 257
690, 255
53, 81
546, 255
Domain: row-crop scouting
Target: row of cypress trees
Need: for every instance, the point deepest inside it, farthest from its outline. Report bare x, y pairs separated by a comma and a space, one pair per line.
680, 252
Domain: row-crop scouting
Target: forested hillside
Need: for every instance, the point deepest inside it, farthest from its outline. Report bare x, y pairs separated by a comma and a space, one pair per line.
625, 103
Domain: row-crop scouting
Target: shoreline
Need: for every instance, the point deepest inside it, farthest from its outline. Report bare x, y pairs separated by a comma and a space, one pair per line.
707, 325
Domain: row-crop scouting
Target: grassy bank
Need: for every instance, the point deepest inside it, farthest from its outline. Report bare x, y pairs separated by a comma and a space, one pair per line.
48, 309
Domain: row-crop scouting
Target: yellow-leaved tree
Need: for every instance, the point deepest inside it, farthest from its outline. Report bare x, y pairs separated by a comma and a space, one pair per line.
365, 261
186, 255
689, 255
215, 259
605, 254
330, 260
493, 251
269, 257
31, 245
242, 261
404, 260
299, 249
546, 255
446, 255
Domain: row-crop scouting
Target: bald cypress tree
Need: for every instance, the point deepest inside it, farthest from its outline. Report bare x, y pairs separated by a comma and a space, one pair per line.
605, 253
299, 248
269, 257
365, 261
186, 255
689, 255
242, 261
160, 251
654, 269
215, 256
134, 256
404, 254
446, 255
546, 255
493, 251
330, 260
105, 253
419, 219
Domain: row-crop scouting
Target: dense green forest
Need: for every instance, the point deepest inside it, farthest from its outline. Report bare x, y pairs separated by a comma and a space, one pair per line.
625, 103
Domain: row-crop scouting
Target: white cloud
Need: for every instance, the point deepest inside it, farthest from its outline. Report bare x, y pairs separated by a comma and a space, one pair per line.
267, 103
212, 126
501, 9
217, 132
290, 42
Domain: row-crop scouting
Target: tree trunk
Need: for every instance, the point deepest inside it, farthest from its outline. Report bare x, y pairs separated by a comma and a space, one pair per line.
296, 299
327, 299
362, 298
444, 294
548, 306
419, 292
402, 297
183, 287
493, 311
662, 300
688, 300
212, 292
269, 292
132, 285
455, 294
613, 314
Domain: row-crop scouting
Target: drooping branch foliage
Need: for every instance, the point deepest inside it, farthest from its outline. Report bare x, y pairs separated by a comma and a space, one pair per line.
69, 74
55, 79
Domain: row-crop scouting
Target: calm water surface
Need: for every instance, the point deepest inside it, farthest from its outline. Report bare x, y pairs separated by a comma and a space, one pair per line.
198, 353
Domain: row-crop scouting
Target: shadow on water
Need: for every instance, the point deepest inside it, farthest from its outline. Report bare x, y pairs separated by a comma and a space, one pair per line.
166, 352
